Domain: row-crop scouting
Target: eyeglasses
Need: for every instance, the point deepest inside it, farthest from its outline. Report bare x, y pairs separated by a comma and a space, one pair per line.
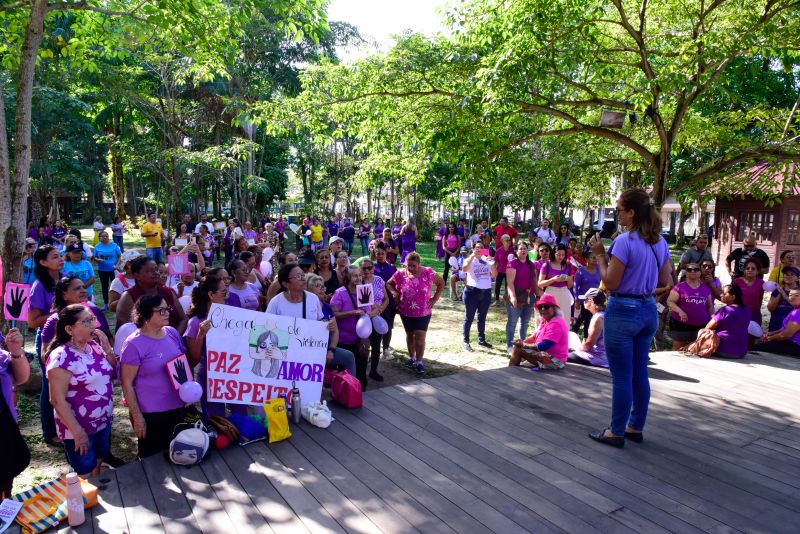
707, 266
543, 307
89, 321
620, 209
301, 276
163, 312
693, 270
365, 268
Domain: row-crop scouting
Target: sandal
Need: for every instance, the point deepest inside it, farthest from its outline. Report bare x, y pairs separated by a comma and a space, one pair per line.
635, 437
614, 441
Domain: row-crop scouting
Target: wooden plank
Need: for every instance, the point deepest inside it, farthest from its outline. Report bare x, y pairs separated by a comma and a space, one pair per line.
567, 478
326, 493
232, 496
207, 509
384, 495
109, 514
469, 494
521, 466
563, 434
140, 507
307, 508
175, 511
341, 439
516, 389
265, 497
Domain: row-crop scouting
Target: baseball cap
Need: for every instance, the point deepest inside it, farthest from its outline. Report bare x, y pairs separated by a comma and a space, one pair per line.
597, 296
75, 247
129, 255
334, 239
307, 259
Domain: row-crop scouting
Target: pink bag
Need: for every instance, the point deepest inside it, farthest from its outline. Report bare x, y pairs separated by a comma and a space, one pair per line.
327, 378
346, 390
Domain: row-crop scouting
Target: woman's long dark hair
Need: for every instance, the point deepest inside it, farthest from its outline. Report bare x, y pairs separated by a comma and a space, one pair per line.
66, 317
646, 219
59, 302
41, 272
200, 300
736, 291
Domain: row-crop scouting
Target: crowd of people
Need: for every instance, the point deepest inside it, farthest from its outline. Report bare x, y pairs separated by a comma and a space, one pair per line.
614, 301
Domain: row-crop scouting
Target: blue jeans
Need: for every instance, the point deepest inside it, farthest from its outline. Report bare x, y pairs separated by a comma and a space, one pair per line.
630, 325
364, 245
345, 358
118, 241
99, 447
476, 300
45, 408
517, 314
155, 254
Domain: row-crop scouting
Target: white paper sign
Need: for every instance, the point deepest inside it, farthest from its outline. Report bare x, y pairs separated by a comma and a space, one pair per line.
365, 296
255, 356
181, 242
8, 511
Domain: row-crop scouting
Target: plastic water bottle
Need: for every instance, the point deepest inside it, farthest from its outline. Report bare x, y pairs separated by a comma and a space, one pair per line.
295, 404
75, 512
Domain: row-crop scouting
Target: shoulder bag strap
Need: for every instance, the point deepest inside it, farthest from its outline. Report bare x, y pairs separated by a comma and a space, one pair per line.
304, 304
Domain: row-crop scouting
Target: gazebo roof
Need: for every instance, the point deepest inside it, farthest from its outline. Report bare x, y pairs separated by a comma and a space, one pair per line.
764, 179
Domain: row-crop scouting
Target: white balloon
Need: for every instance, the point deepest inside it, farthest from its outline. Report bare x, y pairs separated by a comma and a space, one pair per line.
185, 301
190, 392
754, 329
574, 341
122, 335
364, 327
294, 228
267, 254
769, 287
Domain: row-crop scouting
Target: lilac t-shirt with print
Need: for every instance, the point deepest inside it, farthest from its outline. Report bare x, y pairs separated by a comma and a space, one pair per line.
732, 323
41, 298
5, 381
693, 302
642, 262
91, 389
347, 326
415, 292
248, 296
154, 389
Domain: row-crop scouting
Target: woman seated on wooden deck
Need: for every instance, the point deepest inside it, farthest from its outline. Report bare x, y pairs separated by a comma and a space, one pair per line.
730, 323
787, 339
548, 347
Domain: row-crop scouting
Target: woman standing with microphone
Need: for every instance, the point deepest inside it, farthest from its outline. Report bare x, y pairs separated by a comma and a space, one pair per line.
637, 262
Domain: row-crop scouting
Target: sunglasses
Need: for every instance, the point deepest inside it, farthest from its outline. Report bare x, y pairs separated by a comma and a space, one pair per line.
693, 270
543, 307
707, 266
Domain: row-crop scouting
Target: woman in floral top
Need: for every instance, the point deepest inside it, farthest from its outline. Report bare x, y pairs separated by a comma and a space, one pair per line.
81, 366
411, 289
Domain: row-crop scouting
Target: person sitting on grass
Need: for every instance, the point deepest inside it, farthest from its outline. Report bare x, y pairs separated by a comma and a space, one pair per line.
730, 323
593, 350
548, 347
786, 340
457, 262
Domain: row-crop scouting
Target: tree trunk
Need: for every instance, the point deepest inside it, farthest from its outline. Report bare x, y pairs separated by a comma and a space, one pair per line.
117, 178
14, 210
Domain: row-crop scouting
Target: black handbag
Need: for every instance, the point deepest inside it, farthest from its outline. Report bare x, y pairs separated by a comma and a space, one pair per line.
14, 453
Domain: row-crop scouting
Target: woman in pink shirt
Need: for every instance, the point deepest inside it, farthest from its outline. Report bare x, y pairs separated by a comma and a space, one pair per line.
548, 347
692, 304
411, 289
752, 288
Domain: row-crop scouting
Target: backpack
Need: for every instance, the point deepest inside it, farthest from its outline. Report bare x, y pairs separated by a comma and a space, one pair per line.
189, 444
705, 345
346, 390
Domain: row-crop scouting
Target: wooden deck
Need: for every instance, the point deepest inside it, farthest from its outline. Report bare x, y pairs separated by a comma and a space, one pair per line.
500, 451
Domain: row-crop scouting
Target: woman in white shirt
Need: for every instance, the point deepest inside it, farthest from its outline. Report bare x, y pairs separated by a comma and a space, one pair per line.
480, 270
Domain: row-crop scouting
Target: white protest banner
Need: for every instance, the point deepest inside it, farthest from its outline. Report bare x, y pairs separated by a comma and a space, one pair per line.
255, 356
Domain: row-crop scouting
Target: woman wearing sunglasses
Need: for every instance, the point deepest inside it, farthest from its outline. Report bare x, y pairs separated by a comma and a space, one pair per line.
548, 347
708, 277
154, 404
636, 264
692, 304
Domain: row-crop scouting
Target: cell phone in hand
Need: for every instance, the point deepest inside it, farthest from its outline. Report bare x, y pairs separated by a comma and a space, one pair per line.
562, 276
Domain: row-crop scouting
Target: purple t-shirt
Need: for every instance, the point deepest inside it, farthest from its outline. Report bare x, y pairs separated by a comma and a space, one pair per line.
280, 226
347, 326
523, 273
752, 295
642, 262
5, 381
41, 298
693, 302
91, 390
49, 328
384, 270
501, 258
550, 271
154, 389
584, 281
793, 317
248, 297
732, 323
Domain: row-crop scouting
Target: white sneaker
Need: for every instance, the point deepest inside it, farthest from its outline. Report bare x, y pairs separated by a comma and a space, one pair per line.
387, 354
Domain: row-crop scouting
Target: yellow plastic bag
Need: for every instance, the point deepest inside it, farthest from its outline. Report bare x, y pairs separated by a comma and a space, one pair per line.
277, 420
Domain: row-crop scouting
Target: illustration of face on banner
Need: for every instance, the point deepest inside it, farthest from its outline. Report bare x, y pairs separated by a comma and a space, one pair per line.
178, 264
255, 356
16, 301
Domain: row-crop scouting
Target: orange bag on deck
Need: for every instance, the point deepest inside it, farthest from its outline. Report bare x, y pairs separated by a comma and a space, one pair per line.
45, 505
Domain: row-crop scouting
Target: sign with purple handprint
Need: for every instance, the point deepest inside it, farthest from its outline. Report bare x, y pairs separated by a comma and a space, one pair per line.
17, 301
365, 295
178, 264
179, 370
